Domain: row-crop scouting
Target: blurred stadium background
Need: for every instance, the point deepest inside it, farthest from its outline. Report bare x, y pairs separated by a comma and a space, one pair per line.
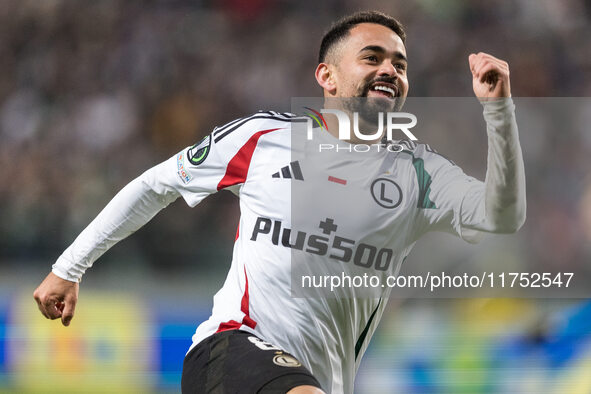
94, 92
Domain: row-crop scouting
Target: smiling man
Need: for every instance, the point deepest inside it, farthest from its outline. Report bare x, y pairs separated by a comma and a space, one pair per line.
260, 339
364, 60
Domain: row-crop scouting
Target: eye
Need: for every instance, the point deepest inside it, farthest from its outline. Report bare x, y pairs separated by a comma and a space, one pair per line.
372, 58
400, 66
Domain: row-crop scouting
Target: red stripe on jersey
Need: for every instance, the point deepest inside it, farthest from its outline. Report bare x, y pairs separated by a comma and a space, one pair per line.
227, 326
337, 180
244, 307
237, 168
237, 232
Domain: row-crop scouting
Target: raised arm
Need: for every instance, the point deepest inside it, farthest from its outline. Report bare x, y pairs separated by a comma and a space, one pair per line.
504, 191
465, 206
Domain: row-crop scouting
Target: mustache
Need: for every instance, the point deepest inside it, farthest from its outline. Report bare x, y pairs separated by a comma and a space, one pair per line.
368, 85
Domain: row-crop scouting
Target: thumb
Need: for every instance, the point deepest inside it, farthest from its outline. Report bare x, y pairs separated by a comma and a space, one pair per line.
68, 312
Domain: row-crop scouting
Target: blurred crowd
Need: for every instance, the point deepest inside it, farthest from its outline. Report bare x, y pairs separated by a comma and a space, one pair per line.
92, 93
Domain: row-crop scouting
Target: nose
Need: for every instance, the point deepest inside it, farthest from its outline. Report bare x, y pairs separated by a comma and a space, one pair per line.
387, 69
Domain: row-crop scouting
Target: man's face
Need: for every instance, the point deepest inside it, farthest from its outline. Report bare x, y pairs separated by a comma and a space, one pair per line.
371, 62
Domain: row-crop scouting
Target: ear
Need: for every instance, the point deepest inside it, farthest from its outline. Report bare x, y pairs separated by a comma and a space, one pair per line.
325, 78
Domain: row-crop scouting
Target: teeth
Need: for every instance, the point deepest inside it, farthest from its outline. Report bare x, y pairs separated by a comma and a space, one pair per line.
385, 89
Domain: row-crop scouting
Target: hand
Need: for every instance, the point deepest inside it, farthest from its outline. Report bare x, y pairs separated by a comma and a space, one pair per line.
490, 76
57, 297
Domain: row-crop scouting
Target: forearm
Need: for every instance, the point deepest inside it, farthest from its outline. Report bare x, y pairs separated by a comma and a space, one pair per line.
135, 205
500, 206
505, 201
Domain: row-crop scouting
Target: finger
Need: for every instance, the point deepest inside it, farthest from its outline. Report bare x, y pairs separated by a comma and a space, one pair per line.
476, 61
42, 309
486, 56
472, 61
487, 72
68, 311
486, 66
52, 309
39, 304
502, 66
478, 67
484, 60
490, 75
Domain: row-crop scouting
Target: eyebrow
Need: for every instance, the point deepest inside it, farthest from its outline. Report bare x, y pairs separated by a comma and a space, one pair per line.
379, 49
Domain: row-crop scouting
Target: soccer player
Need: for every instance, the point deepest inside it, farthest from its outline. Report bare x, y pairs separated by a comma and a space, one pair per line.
260, 339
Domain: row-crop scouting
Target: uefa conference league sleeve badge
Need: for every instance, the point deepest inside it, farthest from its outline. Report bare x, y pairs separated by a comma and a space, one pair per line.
198, 153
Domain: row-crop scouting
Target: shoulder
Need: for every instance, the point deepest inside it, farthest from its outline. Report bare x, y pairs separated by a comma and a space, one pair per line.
258, 123
421, 152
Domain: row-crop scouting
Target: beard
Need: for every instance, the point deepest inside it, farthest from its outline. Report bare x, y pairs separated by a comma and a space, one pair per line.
369, 108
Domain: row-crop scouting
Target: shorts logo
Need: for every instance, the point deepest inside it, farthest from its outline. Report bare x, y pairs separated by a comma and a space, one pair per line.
285, 360
386, 193
281, 359
258, 342
180, 164
198, 153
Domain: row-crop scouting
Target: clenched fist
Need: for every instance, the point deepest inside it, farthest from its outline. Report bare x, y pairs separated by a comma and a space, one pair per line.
490, 76
56, 298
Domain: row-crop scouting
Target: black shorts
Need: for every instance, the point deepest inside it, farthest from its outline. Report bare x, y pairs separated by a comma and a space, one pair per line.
239, 362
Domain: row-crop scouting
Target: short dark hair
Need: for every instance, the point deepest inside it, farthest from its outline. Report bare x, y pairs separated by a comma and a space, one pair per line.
340, 29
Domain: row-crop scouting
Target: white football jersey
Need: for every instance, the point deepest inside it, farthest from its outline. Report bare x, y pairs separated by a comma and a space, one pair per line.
302, 211
377, 201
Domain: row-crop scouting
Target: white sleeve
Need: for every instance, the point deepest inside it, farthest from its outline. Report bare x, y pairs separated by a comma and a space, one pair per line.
216, 162
130, 209
498, 206
467, 207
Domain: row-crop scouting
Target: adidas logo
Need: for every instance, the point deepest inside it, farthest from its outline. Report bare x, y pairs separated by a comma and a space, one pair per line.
293, 170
